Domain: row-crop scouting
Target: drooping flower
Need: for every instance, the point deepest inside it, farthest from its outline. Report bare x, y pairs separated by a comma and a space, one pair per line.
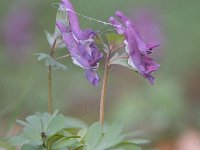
138, 51
80, 44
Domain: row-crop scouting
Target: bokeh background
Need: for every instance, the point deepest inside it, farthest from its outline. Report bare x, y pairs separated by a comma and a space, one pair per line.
167, 113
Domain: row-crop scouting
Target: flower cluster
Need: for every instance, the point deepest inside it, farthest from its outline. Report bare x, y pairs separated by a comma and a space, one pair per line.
136, 48
84, 52
80, 44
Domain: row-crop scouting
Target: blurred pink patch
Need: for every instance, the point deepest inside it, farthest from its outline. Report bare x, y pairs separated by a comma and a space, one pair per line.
18, 33
190, 140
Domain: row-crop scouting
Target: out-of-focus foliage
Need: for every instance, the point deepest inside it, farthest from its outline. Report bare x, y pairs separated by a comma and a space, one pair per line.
157, 109
45, 131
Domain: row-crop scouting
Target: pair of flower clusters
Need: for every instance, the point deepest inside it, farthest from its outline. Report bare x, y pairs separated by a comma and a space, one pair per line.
84, 51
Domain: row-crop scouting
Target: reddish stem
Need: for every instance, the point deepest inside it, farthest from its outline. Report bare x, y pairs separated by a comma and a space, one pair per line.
104, 89
50, 105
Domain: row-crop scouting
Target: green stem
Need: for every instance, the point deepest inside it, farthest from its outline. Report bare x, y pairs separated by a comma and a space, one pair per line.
50, 106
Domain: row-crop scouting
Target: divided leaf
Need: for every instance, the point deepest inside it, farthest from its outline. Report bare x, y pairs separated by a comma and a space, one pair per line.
35, 122
120, 59
49, 61
44, 132
82, 133
93, 136
111, 138
64, 143
56, 125
51, 37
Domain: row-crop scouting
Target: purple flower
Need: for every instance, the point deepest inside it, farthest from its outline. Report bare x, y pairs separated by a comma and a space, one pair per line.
80, 44
137, 50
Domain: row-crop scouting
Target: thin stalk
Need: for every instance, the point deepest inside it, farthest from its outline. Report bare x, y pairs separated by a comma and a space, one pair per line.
50, 106
62, 57
118, 47
104, 89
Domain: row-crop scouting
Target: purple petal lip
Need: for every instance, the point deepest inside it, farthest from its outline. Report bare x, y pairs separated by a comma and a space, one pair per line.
80, 44
137, 49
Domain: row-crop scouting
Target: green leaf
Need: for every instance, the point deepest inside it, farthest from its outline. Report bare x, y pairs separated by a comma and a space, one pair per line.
139, 141
50, 38
60, 140
45, 119
51, 140
120, 59
55, 65
25, 124
93, 136
64, 143
33, 135
54, 114
49, 61
111, 138
82, 133
115, 39
56, 125
42, 56
35, 122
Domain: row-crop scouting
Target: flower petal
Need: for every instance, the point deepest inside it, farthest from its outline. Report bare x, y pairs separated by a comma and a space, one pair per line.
72, 16
92, 76
76, 49
80, 43
136, 48
117, 25
128, 22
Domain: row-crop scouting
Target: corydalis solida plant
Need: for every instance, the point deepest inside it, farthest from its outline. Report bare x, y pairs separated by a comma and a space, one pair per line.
126, 49
84, 52
136, 49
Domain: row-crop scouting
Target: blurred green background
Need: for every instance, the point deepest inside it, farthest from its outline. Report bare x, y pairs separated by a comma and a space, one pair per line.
162, 111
